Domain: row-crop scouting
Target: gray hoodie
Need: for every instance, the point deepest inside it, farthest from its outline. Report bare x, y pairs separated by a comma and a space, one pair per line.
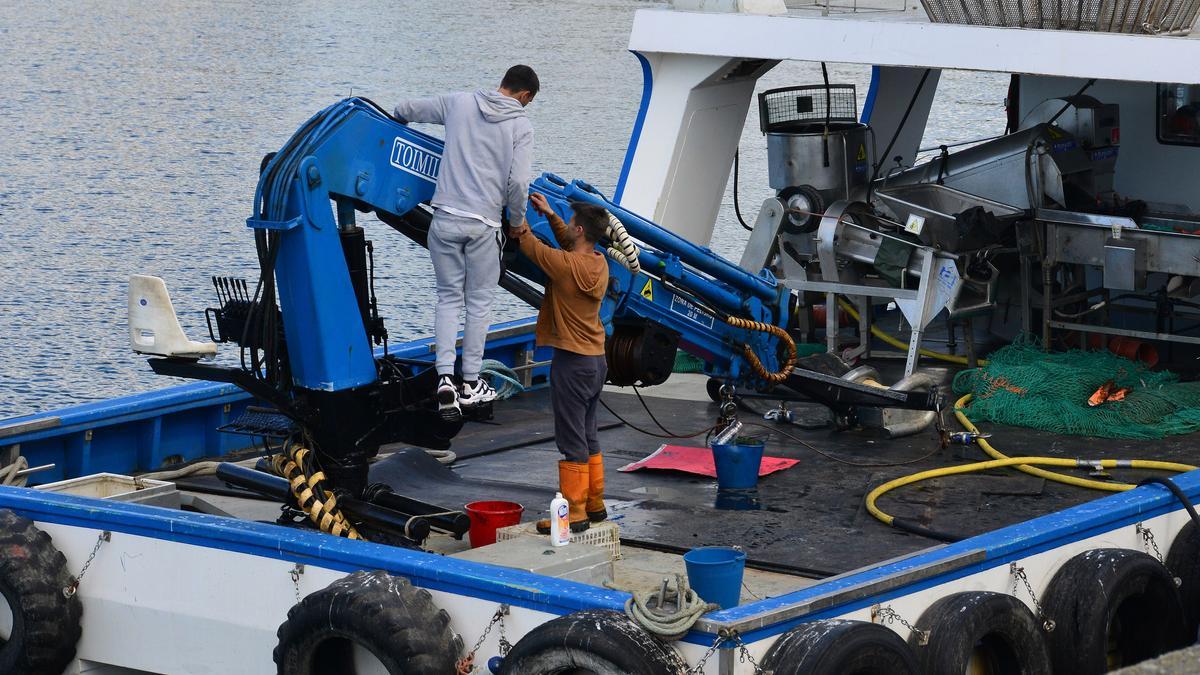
489, 150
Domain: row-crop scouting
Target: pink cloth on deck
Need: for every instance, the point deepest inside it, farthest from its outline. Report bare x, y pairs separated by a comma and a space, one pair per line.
698, 461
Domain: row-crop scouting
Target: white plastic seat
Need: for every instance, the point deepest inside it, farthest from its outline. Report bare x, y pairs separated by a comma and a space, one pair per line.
153, 326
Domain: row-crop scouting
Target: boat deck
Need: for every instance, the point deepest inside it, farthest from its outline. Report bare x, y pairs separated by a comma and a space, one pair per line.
803, 523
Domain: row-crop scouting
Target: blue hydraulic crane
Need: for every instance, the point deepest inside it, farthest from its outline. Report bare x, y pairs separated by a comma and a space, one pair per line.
306, 330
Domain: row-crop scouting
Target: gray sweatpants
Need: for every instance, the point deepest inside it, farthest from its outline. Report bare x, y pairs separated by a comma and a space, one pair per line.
575, 385
466, 262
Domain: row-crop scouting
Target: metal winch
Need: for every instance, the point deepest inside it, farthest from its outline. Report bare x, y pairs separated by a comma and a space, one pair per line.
817, 150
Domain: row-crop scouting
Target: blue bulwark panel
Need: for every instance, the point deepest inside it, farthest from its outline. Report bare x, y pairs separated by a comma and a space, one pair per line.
999, 548
556, 596
143, 432
428, 570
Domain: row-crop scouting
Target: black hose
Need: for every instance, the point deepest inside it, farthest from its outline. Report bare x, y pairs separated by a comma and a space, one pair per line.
1064, 109
915, 528
737, 209
1179, 494
828, 115
895, 135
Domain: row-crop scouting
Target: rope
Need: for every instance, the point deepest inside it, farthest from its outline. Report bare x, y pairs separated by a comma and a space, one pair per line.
668, 612
197, 469
502, 378
623, 249
755, 364
442, 456
8, 474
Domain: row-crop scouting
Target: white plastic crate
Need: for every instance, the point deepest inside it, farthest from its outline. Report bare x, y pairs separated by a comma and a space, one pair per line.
606, 535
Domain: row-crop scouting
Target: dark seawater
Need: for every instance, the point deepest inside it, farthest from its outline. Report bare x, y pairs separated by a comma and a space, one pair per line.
131, 134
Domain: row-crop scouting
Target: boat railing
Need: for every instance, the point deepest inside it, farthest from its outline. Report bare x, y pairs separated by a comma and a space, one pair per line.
1152, 17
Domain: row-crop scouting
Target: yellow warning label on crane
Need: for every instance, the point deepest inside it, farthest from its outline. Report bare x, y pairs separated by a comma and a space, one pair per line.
862, 153
648, 290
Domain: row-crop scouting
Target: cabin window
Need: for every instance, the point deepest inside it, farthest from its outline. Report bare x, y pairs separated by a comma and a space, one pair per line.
1179, 114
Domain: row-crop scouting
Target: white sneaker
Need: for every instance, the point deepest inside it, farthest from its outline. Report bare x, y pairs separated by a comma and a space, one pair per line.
447, 396
479, 394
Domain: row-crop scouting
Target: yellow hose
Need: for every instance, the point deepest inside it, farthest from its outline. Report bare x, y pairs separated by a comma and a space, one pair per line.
1025, 464
960, 405
903, 346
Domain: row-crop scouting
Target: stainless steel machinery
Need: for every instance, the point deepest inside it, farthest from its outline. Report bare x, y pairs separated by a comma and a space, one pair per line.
1043, 165
817, 150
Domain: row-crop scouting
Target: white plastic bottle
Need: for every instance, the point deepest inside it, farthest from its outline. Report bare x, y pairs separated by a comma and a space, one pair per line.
560, 525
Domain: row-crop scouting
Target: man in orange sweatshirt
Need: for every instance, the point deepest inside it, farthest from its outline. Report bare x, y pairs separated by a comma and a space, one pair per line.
569, 321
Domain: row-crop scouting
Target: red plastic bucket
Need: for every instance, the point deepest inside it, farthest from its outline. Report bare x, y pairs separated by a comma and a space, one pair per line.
487, 517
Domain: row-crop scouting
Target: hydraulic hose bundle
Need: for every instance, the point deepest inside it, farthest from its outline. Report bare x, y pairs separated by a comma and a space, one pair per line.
307, 486
789, 361
623, 249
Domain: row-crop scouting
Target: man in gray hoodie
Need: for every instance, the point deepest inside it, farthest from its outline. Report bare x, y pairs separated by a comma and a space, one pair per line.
485, 170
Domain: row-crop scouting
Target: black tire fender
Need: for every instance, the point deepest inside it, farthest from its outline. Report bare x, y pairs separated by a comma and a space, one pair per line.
1111, 607
1183, 561
840, 647
46, 623
397, 622
598, 641
994, 628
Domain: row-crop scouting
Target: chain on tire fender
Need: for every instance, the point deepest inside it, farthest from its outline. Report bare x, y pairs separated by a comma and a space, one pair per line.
598, 641
1111, 603
389, 617
836, 646
980, 625
1183, 560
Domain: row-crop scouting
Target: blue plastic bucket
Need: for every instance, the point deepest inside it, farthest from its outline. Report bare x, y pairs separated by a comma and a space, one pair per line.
715, 573
737, 464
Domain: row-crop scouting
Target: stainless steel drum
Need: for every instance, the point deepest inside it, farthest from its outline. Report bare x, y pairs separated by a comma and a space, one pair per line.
837, 160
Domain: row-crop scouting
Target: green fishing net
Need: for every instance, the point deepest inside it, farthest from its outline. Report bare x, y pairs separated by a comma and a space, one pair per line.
686, 363
1025, 386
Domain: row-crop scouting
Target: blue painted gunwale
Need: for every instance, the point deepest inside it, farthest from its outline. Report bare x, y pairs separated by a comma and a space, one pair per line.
1000, 547
557, 596
428, 570
138, 432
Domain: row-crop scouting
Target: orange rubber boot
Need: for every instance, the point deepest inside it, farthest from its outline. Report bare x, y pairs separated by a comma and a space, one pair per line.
595, 499
573, 484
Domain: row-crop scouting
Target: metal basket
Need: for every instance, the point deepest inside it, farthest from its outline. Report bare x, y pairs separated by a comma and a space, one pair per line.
1175, 17
799, 109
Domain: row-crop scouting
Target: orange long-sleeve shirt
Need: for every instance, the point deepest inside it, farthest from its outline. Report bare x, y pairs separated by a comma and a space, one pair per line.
570, 315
